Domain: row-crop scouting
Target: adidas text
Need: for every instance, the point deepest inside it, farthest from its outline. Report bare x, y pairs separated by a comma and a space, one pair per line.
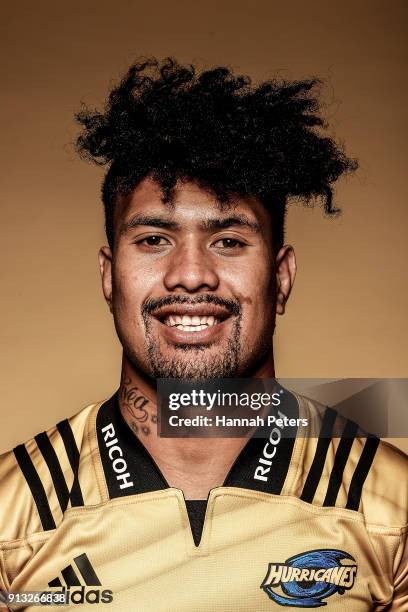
82, 595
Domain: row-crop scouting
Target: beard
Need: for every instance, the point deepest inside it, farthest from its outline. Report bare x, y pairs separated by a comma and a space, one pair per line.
205, 361
196, 361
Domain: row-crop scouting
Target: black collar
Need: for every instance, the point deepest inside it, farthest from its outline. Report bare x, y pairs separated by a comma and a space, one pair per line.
129, 468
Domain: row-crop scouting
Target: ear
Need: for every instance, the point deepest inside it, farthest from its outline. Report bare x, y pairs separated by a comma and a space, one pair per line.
285, 276
105, 267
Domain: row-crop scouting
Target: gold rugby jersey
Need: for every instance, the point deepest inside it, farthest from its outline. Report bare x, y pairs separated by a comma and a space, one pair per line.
299, 522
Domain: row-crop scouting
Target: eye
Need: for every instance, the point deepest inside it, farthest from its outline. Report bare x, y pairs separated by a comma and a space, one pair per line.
229, 243
154, 241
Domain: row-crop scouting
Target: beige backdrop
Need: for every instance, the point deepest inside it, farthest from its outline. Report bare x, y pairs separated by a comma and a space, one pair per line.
347, 316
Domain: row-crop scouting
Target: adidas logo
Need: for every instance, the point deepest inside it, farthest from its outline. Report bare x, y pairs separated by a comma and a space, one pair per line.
72, 576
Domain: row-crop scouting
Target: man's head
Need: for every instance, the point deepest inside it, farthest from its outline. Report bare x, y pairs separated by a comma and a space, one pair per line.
192, 285
200, 170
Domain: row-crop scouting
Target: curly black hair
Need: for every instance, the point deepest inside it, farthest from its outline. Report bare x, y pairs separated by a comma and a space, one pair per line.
171, 122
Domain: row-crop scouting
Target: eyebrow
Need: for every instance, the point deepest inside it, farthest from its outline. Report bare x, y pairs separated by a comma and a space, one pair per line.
141, 220
207, 225
241, 220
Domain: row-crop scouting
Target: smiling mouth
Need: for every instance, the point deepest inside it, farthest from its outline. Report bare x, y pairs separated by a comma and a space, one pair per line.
189, 323
186, 318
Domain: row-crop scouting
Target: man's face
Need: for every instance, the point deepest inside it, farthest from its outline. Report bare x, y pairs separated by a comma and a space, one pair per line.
192, 286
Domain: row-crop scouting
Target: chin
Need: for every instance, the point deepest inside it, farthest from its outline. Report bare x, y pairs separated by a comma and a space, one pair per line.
185, 361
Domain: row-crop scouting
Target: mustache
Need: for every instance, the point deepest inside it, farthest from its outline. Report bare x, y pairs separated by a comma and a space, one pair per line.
152, 304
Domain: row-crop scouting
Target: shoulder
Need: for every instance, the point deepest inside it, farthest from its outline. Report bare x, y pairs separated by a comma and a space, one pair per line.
39, 478
345, 467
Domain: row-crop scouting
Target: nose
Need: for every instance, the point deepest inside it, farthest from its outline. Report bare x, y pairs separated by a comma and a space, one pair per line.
191, 269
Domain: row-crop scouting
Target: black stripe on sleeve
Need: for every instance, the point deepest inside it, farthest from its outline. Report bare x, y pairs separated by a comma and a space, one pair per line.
36, 487
71, 448
361, 472
70, 576
55, 583
87, 571
316, 469
51, 459
340, 460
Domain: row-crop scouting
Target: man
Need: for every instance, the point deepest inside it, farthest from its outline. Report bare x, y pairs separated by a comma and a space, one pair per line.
103, 509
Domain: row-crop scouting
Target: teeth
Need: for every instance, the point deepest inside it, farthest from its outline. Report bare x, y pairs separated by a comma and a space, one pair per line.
191, 328
188, 323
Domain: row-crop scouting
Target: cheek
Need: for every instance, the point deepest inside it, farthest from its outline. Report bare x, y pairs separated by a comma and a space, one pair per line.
252, 282
134, 278
130, 280
125, 288
129, 291
254, 287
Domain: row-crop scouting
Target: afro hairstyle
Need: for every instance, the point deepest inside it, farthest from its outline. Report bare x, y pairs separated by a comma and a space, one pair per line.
172, 122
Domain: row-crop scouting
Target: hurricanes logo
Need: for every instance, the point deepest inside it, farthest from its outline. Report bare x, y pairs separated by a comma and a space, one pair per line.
310, 577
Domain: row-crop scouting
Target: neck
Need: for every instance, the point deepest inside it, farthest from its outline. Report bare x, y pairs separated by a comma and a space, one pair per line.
195, 465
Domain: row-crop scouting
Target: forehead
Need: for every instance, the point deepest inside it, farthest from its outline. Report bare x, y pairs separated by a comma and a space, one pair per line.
190, 204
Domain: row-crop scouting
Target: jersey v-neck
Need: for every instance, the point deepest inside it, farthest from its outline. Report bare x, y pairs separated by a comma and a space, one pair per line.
129, 468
